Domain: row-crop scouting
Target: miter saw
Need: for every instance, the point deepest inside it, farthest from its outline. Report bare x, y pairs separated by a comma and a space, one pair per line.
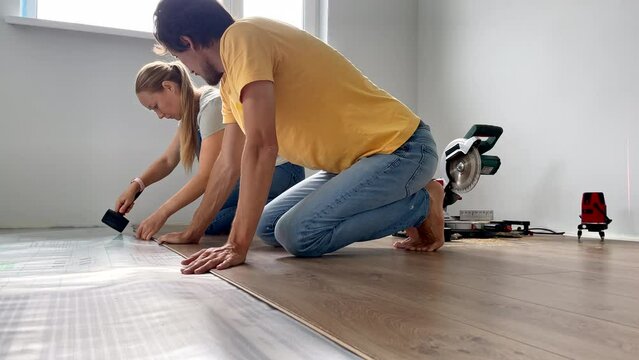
463, 162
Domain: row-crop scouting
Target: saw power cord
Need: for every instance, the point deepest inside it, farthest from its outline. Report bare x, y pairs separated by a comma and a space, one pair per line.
544, 231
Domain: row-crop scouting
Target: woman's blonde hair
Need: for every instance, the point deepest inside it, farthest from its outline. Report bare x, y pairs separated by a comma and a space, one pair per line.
150, 79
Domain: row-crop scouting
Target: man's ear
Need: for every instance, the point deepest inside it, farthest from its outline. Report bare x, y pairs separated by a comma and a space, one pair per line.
187, 41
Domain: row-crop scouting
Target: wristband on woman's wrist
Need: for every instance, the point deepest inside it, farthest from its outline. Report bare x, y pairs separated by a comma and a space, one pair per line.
139, 182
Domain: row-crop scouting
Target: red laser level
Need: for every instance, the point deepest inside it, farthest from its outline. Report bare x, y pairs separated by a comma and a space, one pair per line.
593, 214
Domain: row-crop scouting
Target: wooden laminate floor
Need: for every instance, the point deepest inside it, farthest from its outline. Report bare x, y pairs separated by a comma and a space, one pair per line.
536, 297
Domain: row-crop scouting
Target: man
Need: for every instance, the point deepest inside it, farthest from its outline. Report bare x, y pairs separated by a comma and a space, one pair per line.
292, 94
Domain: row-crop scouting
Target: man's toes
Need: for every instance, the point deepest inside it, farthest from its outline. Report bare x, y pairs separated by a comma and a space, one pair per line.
407, 244
411, 244
399, 244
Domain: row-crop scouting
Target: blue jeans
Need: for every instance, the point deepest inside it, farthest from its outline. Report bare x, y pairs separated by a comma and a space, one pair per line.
375, 197
285, 176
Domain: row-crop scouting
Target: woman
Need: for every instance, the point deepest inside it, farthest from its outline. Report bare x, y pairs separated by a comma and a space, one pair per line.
167, 89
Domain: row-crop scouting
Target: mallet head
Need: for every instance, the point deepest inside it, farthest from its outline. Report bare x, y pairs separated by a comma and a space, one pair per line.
115, 220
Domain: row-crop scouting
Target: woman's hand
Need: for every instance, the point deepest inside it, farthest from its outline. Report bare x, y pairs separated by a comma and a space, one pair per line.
126, 200
151, 225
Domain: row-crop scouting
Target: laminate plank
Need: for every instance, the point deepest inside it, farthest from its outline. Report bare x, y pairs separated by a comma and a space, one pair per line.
594, 301
394, 304
539, 256
586, 280
370, 326
537, 325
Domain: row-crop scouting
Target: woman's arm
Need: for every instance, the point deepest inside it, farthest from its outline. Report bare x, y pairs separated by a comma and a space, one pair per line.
158, 170
195, 187
165, 164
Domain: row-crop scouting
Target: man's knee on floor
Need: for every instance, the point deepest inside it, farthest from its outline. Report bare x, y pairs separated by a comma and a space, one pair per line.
266, 232
288, 232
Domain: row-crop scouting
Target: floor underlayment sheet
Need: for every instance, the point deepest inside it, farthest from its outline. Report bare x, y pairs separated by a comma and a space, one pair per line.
87, 294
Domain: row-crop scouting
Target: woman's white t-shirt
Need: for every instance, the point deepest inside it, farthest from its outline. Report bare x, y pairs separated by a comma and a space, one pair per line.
209, 118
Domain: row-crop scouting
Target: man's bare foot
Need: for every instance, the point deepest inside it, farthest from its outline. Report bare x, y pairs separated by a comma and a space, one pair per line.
429, 235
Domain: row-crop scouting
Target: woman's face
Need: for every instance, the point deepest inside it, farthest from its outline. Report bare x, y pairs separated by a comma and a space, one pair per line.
165, 103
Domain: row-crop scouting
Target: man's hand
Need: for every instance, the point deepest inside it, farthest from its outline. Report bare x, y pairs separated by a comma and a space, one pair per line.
219, 258
184, 237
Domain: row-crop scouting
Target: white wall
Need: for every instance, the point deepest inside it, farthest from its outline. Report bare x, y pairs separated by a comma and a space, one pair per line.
380, 38
562, 78
72, 134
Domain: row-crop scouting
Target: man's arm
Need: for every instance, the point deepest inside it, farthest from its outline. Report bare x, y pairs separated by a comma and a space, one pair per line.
257, 166
258, 159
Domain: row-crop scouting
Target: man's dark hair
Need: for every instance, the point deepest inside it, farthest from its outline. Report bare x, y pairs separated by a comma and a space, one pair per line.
201, 20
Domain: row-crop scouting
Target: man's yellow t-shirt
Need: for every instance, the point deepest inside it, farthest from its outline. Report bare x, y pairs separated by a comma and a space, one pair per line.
328, 114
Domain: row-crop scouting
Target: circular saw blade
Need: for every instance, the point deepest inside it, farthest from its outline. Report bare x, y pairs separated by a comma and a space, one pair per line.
464, 171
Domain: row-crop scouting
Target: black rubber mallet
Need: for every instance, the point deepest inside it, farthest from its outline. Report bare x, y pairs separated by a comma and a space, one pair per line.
116, 220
